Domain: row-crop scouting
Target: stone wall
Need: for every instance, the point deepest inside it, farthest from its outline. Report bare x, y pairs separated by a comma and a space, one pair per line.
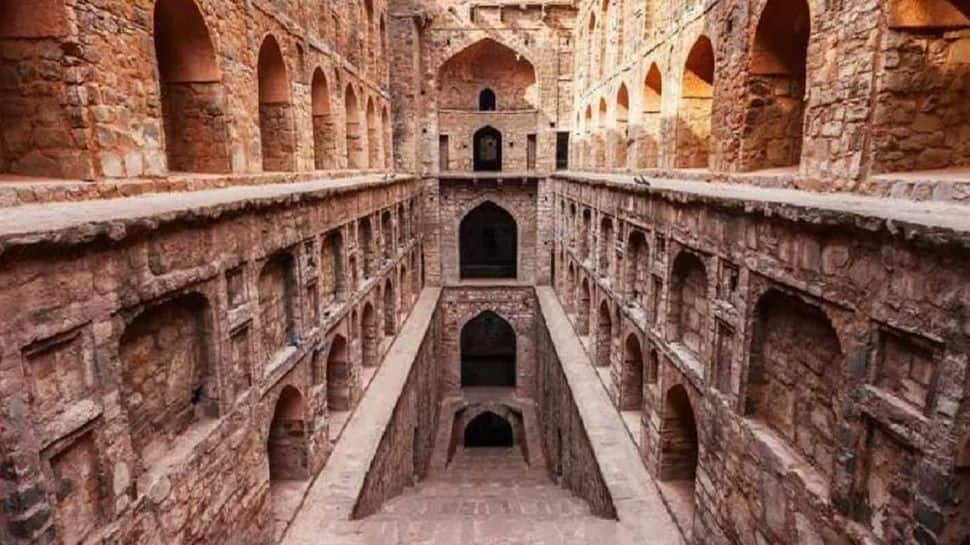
156, 378
87, 101
799, 373
570, 457
834, 93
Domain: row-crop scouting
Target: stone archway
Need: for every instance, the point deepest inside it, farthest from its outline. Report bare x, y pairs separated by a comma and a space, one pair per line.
487, 149
489, 430
276, 123
488, 243
488, 352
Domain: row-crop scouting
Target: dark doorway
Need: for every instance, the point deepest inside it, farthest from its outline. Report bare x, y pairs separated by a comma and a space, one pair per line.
489, 430
488, 239
488, 150
562, 150
487, 352
486, 100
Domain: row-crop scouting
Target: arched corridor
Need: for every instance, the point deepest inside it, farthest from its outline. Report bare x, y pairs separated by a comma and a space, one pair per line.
489, 430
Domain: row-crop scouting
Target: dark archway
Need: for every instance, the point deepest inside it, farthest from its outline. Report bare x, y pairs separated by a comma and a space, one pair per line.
486, 100
276, 124
489, 430
488, 243
339, 391
488, 150
286, 445
488, 352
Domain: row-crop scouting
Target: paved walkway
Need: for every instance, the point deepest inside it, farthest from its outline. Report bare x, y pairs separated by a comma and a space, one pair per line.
489, 497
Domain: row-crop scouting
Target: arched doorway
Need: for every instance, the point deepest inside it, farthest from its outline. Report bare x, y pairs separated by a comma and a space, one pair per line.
631, 387
487, 149
679, 453
356, 155
489, 430
323, 127
488, 239
604, 336
369, 336
488, 350
696, 107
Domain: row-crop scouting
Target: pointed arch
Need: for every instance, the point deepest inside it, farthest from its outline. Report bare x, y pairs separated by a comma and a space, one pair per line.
275, 111
696, 106
604, 336
486, 63
356, 154
339, 375
373, 136
286, 444
488, 243
369, 336
324, 144
190, 84
631, 382
487, 149
488, 352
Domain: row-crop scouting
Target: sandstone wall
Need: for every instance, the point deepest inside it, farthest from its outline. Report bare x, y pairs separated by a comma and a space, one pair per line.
837, 93
803, 373
158, 381
115, 90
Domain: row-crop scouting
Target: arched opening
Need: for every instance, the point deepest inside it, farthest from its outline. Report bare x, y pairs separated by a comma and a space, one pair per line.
696, 107
794, 375
339, 390
286, 445
585, 235
276, 289
678, 452
390, 310
34, 88
653, 368
463, 78
355, 146
369, 337
404, 294
487, 149
621, 115
582, 312
689, 309
571, 289
387, 235
631, 386
324, 144
365, 243
488, 238
604, 336
489, 430
276, 129
169, 383
333, 272
373, 136
637, 254
607, 242
192, 96
600, 137
387, 135
488, 352
486, 100
776, 86
649, 154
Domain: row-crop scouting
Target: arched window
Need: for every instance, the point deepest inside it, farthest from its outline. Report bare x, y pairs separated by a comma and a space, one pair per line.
488, 238
486, 100
487, 147
275, 109
488, 352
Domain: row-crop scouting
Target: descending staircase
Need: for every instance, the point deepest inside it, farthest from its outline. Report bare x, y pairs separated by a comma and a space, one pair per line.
488, 496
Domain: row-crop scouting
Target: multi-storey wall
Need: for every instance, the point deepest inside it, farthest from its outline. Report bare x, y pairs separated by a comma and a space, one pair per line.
796, 377
180, 377
842, 97
521, 54
113, 90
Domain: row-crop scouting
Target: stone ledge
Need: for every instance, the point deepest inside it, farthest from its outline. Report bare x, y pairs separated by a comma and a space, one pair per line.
116, 219
639, 505
933, 223
328, 506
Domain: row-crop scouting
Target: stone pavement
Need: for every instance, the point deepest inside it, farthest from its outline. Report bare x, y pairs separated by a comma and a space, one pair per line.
489, 496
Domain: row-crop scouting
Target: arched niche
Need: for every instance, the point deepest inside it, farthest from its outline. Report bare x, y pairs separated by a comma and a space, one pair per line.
324, 143
192, 95
696, 106
487, 149
489, 430
488, 243
275, 108
487, 63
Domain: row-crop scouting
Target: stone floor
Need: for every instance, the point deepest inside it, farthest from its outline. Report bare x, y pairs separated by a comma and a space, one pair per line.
488, 496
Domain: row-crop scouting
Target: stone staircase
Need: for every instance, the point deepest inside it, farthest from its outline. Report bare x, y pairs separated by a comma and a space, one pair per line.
488, 497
